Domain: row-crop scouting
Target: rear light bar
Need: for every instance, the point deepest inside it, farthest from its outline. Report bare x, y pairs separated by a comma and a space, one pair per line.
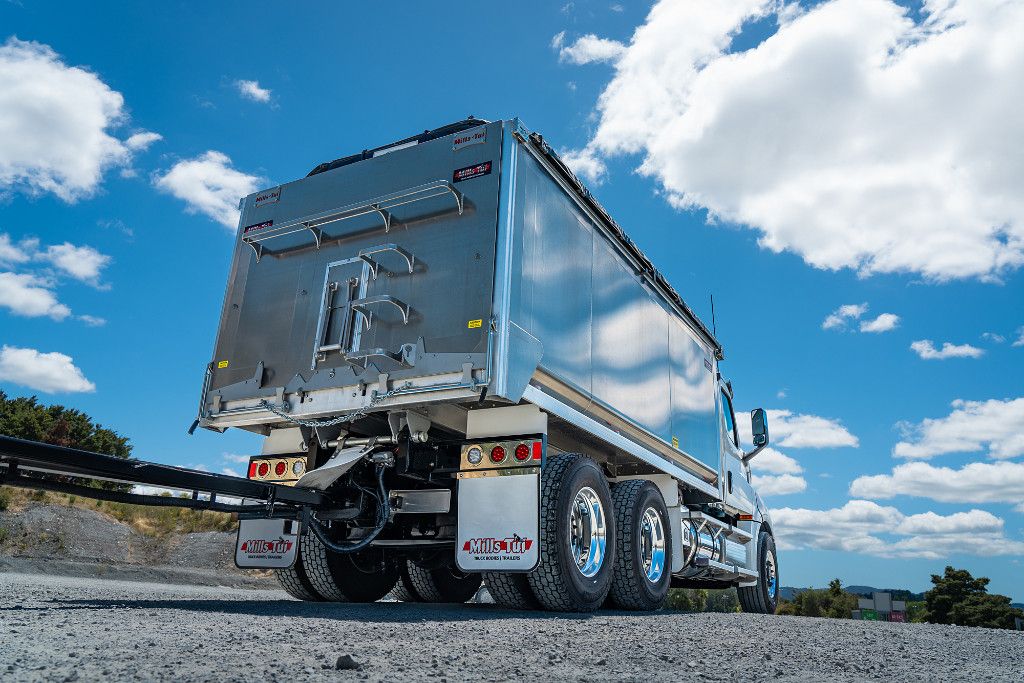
277, 469
525, 451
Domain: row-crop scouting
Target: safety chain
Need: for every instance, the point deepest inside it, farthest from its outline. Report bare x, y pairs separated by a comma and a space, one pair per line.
376, 400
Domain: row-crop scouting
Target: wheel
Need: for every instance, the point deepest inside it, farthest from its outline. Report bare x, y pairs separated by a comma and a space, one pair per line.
442, 584
643, 546
763, 598
337, 577
404, 591
511, 591
296, 583
577, 536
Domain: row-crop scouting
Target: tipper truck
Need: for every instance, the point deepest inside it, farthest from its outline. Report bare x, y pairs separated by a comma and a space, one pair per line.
467, 374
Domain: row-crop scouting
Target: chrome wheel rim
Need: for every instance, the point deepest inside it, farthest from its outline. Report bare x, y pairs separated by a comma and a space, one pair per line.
770, 574
652, 544
588, 531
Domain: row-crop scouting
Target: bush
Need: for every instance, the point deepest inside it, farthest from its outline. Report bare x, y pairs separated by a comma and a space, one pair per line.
831, 602
5, 499
959, 598
703, 600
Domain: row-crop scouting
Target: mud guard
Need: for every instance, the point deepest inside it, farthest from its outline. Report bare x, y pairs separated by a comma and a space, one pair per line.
499, 520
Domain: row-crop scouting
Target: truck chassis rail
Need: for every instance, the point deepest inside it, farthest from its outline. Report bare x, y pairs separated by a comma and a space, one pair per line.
22, 462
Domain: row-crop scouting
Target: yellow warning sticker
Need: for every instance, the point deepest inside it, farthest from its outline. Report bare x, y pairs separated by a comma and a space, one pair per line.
675, 442
475, 323
222, 364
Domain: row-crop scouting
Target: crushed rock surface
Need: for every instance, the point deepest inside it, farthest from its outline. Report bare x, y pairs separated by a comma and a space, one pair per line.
58, 628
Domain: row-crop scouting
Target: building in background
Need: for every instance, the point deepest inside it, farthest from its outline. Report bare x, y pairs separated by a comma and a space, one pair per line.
881, 607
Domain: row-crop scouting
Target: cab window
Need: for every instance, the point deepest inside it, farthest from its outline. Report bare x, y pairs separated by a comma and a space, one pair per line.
730, 419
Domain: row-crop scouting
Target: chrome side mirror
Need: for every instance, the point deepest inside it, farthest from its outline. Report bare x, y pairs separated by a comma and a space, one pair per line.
759, 430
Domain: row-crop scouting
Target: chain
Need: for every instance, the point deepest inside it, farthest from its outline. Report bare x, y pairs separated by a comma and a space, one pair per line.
376, 400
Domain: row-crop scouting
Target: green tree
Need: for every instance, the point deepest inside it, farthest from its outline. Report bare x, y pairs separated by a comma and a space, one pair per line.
26, 418
832, 602
959, 598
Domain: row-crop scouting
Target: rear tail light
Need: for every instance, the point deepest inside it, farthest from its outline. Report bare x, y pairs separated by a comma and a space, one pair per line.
280, 468
264, 469
522, 452
252, 469
497, 454
538, 450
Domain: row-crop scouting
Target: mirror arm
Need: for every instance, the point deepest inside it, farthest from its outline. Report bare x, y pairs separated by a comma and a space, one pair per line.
757, 449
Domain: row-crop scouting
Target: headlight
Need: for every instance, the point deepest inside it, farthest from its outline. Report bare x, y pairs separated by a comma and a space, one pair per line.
474, 455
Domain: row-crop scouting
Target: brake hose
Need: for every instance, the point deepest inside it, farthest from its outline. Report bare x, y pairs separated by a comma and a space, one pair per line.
382, 518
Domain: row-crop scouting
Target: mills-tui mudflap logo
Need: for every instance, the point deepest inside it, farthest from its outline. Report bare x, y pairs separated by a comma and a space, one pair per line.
266, 543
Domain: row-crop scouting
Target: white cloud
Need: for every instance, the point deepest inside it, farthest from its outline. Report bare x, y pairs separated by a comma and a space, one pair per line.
46, 372
55, 128
80, 262
588, 49
807, 431
11, 253
837, 318
30, 296
977, 482
92, 321
969, 428
209, 185
251, 90
862, 526
584, 164
142, 140
1019, 341
883, 323
771, 461
234, 457
558, 40
852, 136
778, 485
993, 337
925, 348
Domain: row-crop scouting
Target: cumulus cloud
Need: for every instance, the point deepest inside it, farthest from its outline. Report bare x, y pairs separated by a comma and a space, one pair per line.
977, 482
13, 254
778, 485
142, 140
883, 323
251, 90
807, 431
1019, 341
862, 526
851, 136
771, 461
57, 122
80, 262
925, 348
209, 185
839, 317
47, 372
993, 337
30, 296
92, 320
972, 426
588, 49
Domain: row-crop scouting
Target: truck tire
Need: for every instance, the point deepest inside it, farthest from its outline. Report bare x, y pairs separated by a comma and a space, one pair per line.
442, 584
337, 577
577, 536
763, 598
511, 591
295, 582
404, 591
643, 546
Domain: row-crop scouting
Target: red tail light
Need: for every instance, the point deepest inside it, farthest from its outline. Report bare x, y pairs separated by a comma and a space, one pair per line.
497, 454
264, 469
538, 450
252, 470
522, 452
280, 468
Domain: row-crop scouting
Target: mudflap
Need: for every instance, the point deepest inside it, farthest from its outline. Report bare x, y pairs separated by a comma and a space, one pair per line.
499, 520
267, 543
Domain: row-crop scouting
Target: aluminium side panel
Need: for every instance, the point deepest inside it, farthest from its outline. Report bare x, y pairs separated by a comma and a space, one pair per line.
611, 346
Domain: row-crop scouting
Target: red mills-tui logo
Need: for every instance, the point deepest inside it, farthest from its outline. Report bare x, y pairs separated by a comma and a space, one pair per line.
260, 546
513, 545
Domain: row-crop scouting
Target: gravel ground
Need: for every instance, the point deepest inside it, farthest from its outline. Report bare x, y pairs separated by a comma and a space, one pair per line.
56, 628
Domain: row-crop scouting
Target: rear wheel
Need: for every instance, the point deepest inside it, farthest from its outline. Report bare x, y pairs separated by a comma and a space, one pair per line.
295, 582
442, 584
365, 576
404, 591
643, 547
577, 536
763, 598
511, 591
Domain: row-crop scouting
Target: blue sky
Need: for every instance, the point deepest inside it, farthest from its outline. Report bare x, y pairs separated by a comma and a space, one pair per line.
789, 163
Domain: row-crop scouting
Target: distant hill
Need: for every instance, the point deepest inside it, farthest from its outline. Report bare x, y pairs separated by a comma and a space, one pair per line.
789, 592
